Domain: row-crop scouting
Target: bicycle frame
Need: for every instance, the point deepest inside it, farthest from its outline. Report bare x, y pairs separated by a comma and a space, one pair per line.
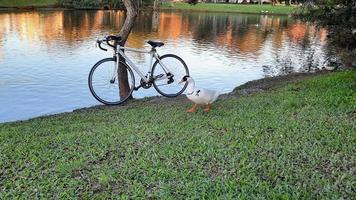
157, 78
153, 54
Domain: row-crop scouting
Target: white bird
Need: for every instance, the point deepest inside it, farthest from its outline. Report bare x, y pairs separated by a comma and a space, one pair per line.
328, 67
199, 96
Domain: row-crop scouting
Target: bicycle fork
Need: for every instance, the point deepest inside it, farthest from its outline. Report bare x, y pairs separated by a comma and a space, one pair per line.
115, 73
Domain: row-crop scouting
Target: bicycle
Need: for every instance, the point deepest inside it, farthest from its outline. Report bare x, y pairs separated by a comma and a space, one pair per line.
107, 86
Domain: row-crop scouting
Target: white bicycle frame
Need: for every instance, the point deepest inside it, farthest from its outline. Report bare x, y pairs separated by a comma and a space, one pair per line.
153, 54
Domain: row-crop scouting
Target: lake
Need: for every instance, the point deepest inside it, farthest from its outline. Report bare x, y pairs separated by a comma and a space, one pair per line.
45, 56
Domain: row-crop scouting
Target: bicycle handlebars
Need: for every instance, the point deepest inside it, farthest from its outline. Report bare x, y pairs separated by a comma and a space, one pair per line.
108, 39
99, 44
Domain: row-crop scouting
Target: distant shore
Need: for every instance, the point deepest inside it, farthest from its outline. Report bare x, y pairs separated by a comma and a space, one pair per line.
266, 9
202, 7
28, 4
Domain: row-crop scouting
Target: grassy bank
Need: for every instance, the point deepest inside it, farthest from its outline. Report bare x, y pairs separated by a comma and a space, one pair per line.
295, 142
238, 8
27, 3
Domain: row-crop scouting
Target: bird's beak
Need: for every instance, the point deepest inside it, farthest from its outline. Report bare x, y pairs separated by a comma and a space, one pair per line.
180, 82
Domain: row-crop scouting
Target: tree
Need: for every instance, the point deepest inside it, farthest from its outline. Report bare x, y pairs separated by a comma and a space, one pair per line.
155, 4
339, 17
131, 14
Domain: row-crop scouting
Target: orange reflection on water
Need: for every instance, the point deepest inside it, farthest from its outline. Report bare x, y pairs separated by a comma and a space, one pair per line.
172, 25
73, 26
297, 32
254, 38
4, 28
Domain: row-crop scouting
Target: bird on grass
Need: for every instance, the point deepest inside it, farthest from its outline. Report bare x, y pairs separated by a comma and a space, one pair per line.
199, 96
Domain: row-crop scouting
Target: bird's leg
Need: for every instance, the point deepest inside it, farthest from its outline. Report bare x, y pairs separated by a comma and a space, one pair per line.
208, 107
193, 109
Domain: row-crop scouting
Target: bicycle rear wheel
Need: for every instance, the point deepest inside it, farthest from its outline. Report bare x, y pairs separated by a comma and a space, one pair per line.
166, 82
107, 86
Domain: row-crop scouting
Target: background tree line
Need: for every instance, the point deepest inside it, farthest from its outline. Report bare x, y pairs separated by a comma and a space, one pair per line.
105, 4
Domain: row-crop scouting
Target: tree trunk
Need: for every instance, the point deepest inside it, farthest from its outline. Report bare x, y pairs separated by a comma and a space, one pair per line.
131, 14
155, 21
155, 4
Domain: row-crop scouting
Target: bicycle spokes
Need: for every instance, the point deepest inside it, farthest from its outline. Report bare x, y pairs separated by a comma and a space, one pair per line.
106, 85
167, 71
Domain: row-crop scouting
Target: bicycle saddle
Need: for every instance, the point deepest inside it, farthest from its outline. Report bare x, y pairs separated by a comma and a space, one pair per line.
155, 44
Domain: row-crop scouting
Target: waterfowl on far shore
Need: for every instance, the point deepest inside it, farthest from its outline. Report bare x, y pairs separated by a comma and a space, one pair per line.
199, 96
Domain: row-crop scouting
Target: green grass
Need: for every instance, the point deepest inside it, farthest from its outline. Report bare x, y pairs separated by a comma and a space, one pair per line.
296, 142
24, 3
238, 8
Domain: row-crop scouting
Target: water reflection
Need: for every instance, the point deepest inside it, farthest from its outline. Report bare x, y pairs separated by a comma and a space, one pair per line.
45, 56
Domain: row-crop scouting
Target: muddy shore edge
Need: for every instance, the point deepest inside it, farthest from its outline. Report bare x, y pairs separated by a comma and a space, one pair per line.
248, 88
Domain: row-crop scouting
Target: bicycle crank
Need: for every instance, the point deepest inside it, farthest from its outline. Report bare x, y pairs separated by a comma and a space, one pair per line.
112, 80
145, 84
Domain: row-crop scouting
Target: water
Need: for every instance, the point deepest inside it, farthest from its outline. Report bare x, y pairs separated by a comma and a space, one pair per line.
45, 56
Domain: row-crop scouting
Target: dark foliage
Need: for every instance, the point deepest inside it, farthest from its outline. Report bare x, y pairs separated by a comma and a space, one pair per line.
106, 4
192, 2
339, 17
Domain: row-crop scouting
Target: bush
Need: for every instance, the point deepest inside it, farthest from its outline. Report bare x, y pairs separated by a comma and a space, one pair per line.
90, 3
192, 2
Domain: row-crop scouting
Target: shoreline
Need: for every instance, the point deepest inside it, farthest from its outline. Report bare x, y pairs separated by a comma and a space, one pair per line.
161, 8
249, 88
229, 12
265, 9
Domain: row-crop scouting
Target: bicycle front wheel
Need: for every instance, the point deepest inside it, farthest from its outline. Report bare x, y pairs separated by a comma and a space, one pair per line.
167, 72
109, 86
